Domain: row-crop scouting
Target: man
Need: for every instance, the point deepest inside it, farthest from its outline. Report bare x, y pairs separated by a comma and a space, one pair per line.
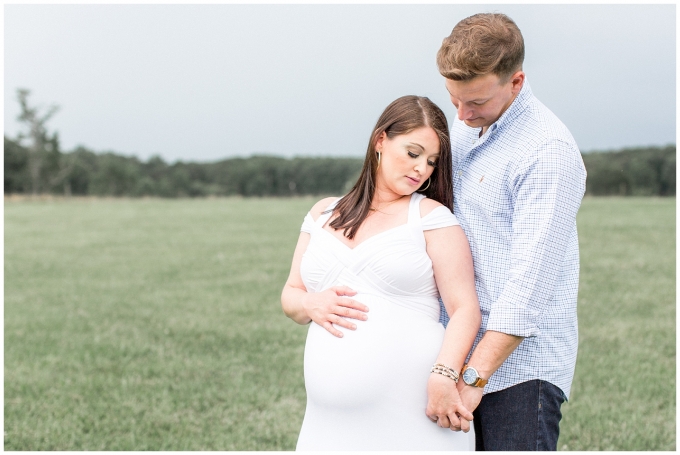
518, 183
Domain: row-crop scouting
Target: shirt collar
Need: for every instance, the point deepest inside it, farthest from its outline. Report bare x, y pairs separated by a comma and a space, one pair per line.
518, 105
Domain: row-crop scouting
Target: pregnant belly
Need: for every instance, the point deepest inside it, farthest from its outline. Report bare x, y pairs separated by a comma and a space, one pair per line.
387, 358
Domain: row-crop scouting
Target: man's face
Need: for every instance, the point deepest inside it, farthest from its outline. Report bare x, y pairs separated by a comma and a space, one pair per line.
482, 100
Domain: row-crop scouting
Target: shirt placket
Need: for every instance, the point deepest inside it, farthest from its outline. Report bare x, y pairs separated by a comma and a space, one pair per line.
465, 163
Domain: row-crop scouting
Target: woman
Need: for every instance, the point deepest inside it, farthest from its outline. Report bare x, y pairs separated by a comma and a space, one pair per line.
388, 381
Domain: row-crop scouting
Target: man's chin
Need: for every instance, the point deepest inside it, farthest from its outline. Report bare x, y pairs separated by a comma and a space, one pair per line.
476, 123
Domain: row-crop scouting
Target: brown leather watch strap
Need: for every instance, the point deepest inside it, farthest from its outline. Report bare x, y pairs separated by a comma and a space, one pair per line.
480, 382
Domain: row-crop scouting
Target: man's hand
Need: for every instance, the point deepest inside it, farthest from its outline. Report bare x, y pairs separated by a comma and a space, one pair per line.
444, 406
332, 307
469, 395
488, 356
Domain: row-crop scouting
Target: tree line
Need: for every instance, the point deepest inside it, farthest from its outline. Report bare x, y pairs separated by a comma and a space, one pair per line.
84, 172
642, 171
34, 164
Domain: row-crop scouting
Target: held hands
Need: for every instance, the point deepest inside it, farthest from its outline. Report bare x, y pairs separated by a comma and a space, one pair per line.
332, 307
444, 404
469, 395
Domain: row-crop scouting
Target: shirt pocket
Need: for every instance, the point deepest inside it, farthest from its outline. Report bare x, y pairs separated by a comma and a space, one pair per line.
488, 191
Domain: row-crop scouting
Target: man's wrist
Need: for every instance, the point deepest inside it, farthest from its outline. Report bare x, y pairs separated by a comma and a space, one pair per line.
472, 377
480, 367
492, 351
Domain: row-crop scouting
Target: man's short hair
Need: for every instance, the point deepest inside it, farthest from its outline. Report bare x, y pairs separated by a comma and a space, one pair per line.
479, 45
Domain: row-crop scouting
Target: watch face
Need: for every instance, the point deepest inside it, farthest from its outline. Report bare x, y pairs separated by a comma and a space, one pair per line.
470, 376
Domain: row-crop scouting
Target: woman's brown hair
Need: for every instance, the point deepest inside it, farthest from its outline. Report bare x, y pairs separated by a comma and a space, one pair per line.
402, 116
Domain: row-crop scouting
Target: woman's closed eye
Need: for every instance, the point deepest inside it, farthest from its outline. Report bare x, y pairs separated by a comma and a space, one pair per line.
415, 155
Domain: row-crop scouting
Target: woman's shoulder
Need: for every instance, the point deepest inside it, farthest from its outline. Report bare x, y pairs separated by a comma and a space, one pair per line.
427, 205
434, 215
321, 206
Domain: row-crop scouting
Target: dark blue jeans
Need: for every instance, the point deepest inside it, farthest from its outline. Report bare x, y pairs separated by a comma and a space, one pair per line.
522, 417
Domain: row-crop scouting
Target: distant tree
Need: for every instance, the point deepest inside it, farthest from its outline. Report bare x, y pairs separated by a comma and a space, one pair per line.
40, 142
668, 176
83, 165
17, 178
116, 176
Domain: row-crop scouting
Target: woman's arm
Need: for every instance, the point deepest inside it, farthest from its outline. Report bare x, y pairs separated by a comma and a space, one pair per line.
325, 308
452, 264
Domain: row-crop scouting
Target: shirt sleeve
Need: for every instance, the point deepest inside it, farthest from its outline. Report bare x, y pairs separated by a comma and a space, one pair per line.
547, 189
440, 217
307, 224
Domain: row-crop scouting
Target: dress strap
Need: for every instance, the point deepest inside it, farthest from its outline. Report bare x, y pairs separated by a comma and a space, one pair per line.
439, 218
307, 224
323, 218
414, 222
414, 208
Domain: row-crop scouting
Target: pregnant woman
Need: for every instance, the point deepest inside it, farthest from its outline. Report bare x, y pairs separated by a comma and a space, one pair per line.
367, 272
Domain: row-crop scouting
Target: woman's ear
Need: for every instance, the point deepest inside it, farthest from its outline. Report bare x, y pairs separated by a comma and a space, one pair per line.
379, 141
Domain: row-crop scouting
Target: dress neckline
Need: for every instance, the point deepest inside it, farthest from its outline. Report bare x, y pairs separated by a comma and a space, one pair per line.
322, 222
365, 240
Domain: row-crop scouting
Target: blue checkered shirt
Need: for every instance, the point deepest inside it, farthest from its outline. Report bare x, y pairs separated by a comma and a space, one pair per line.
516, 193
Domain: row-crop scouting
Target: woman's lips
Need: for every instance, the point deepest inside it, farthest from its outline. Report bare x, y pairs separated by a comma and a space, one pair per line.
412, 180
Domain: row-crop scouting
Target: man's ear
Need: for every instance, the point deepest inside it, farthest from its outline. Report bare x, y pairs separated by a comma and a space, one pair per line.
517, 81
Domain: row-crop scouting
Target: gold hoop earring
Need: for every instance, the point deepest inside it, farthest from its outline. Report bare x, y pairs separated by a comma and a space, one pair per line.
428, 185
378, 161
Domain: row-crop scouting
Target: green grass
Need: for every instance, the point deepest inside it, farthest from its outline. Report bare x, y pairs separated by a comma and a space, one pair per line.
156, 325
623, 395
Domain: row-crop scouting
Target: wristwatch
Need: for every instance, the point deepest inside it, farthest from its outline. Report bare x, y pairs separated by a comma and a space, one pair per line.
471, 377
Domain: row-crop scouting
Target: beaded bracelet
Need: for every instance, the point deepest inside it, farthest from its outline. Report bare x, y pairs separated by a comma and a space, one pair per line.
445, 371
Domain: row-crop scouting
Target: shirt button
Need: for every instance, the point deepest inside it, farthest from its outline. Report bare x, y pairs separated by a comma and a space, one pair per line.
460, 173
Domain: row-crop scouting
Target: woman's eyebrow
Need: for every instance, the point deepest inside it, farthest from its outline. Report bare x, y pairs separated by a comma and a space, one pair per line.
416, 145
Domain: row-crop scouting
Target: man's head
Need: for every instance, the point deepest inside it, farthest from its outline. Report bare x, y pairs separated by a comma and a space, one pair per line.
482, 63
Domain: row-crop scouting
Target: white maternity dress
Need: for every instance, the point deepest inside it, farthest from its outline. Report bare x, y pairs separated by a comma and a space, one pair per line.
368, 390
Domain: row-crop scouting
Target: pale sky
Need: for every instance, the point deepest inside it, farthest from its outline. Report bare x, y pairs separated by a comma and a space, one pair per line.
207, 82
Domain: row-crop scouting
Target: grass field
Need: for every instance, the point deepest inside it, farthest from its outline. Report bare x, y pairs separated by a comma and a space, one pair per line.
156, 325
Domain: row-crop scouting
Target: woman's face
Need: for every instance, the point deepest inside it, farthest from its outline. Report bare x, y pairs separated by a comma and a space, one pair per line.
407, 161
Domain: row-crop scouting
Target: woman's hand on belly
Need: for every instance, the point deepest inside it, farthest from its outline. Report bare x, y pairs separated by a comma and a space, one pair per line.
332, 306
444, 406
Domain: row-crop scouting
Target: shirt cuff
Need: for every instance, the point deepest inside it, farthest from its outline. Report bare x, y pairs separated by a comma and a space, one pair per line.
512, 320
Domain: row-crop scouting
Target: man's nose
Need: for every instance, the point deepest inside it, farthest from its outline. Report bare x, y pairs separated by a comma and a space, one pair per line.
463, 114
